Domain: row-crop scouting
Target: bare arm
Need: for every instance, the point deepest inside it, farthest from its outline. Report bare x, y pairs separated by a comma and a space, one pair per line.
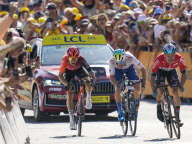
97, 5
92, 75
152, 82
76, 3
7, 20
113, 80
183, 79
144, 74
18, 43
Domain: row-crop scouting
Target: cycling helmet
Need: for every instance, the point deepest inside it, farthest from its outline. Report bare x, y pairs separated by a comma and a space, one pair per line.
169, 48
73, 52
119, 56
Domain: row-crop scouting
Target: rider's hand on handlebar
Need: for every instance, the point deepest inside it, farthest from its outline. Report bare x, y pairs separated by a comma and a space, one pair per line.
154, 94
70, 86
182, 89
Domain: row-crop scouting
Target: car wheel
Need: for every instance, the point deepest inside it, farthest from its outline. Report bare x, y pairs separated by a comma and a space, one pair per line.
38, 115
22, 111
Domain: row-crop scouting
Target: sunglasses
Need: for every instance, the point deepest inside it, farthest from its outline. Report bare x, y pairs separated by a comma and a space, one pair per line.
132, 5
101, 19
157, 14
73, 58
141, 22
51, 8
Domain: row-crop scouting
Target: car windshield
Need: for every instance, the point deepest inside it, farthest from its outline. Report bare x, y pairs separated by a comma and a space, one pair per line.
94, 54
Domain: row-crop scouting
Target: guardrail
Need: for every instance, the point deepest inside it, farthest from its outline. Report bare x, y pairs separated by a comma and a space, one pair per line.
12, 127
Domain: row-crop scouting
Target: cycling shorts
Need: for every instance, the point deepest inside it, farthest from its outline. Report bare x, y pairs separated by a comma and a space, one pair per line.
171, 76
80, 73
130, 72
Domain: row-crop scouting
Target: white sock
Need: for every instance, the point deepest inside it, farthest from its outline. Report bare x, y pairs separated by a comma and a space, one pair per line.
70, 115
88, 94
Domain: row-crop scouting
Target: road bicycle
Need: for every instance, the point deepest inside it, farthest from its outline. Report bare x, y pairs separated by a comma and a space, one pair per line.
79, 110
129, 105
171, 118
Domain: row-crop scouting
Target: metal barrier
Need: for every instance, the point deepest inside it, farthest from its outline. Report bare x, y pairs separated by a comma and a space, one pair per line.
12, 127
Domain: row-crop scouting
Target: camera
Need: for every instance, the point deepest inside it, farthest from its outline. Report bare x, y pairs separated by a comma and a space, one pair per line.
5, 8
32, 55
20, 58
168, 7
28, 71
166, 32
16, 74
8, 100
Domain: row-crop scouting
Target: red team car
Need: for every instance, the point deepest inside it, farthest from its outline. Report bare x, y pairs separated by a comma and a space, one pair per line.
46, 95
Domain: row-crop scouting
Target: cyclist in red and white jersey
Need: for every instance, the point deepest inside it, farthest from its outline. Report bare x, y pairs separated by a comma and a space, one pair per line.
165, 67
73, 64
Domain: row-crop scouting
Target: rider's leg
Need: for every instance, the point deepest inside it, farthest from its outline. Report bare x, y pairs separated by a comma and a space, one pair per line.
136, 92
132, 75
70, 95
118, 76
176, 98
173, 81
82, 74
88, 90
160, 80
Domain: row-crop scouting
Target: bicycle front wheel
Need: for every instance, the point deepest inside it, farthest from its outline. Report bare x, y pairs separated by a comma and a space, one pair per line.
80, 115
167, 117
132, 114
174, 118
124, 124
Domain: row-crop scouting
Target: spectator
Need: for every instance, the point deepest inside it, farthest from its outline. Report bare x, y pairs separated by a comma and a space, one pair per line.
133, 4
84, 27
88, 8
71, 24
101, 20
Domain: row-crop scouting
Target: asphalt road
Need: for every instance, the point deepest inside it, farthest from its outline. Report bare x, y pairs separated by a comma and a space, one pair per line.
107, 130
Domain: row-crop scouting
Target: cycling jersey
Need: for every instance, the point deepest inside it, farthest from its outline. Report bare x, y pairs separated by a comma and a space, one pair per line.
129, 60
160, 63
81, 62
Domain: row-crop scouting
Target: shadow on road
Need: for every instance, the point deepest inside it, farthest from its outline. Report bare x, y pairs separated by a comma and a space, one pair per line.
117, 136
160, 139
69, 136
65, 118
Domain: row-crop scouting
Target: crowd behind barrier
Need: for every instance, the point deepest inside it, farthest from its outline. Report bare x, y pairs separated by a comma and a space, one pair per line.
138, 26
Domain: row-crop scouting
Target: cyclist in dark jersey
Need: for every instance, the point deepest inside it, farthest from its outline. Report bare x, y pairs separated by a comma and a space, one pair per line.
165, 67
73, 64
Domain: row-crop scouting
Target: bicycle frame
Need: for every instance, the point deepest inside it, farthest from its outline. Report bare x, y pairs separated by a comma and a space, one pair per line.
80, 107
171, 120
129, 106
81, 94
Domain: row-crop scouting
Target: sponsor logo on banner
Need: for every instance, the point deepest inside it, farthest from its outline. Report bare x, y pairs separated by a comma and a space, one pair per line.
55, 89
57, 97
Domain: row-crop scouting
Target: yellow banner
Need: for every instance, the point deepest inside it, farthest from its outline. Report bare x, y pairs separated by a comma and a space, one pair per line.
147, 59
74, 39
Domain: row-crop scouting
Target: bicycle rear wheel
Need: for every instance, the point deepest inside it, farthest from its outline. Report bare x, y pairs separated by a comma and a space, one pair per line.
124, 124
167, 118
132, 114
174, 118
80, 115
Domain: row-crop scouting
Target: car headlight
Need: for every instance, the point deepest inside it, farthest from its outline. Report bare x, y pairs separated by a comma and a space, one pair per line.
50, 82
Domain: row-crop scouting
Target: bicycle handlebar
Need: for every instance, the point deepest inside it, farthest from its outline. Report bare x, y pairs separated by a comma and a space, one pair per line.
129, 82
165, 86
